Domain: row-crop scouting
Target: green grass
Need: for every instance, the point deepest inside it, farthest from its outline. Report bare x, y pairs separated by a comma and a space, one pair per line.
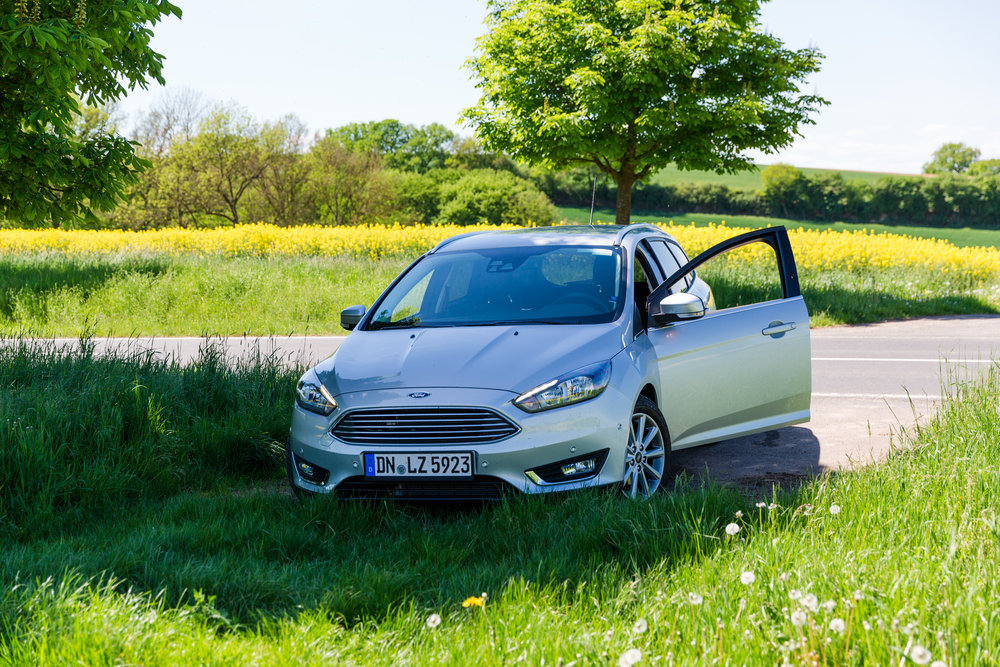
960, 236
750, 180
231, 572
50, 295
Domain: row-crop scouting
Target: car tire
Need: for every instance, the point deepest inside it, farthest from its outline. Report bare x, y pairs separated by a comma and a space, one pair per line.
647, 454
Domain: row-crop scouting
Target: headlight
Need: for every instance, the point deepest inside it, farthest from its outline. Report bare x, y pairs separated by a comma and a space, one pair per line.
580, 385
311, 395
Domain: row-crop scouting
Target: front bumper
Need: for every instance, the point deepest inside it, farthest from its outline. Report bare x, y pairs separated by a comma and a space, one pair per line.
596, 426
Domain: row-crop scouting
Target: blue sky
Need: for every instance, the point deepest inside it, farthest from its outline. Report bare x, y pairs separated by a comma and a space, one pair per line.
902, 76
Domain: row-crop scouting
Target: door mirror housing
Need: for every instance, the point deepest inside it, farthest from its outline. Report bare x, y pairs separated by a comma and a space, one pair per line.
350, 316
677, 308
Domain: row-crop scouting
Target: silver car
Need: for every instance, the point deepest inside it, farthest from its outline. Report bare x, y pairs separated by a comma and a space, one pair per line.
548, 359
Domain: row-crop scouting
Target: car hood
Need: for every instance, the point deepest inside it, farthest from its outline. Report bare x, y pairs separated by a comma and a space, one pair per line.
508, 358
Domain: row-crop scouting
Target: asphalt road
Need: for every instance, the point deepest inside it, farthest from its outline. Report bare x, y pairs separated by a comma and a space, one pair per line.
870, 382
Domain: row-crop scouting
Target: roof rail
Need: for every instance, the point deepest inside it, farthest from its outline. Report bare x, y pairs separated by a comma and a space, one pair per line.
638, 227
452, 239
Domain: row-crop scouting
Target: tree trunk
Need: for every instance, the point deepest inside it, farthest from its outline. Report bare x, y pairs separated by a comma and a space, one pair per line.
623, 206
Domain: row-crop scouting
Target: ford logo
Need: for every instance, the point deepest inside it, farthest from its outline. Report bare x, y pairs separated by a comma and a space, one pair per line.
419, 394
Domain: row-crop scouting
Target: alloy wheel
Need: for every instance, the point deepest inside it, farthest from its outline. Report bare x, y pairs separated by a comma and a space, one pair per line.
644, 456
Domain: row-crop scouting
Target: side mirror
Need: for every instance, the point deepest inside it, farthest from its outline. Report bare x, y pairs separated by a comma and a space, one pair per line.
677, 308
350, 316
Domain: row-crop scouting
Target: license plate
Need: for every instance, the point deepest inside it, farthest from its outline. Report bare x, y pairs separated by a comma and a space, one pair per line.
419, 464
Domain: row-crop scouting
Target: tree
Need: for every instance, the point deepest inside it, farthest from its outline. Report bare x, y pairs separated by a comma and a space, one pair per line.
633, 85
51, 53
397, 145
989, 167
954, 158
347, 187
228, 156
284, 181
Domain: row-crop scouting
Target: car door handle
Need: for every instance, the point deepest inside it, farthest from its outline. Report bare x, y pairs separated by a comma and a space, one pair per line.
777, 328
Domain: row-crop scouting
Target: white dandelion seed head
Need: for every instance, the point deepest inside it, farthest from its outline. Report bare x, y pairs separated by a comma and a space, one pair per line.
761, 506
784, 576
837, 625
920, 655
773, 506
809, 602
866, 625
630, 657
739, 513
829, 606
640, 626
695, 599
858, 595
732, 529
835, 509
939, 663
908, 629
798, 618
794, 594
747, 578
433, 621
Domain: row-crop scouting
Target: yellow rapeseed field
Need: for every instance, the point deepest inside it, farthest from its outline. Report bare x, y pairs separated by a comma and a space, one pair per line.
815, 251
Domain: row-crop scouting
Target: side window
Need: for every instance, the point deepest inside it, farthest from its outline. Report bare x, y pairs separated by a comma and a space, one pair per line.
682, 259
668, 263
743, 276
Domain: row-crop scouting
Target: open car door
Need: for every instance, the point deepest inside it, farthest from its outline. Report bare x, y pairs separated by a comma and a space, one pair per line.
736, 369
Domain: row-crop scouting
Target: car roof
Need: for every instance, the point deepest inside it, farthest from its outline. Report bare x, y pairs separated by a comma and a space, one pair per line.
606, 236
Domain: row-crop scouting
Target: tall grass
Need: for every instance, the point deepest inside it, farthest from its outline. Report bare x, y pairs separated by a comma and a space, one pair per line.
81, 433
889, 565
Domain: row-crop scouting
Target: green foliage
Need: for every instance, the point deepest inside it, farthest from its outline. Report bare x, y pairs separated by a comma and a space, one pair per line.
50, 52
633, 86
495, 197
397, 145
985, 167
953, 158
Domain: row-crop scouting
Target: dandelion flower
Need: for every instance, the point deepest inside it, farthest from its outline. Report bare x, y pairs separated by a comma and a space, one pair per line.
784, 576
761, 506
695, 599
630, 657
747, 578
739, 513
473, 601
798, 618
858, 595
866, 625
835, 509
640, 626
732, 529
773, 506
837, 625
939, 663
433, 621
794, 594
829, 606
809, 602
920, 655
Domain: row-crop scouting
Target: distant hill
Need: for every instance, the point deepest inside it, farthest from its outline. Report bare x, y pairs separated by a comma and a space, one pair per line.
750, 180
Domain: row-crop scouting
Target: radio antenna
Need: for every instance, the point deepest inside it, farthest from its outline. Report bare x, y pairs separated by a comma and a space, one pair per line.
593, 196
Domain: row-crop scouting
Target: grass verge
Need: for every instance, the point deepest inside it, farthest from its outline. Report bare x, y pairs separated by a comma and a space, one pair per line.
892, 564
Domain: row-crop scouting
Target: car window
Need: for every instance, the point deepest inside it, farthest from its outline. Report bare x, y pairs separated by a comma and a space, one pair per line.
667, 262
532, 284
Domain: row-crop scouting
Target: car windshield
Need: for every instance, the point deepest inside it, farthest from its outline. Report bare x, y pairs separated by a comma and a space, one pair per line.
521, 285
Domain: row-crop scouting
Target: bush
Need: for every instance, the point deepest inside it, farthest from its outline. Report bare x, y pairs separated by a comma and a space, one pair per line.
495, 197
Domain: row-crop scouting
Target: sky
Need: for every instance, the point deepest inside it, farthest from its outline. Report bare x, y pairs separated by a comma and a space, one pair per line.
902, 76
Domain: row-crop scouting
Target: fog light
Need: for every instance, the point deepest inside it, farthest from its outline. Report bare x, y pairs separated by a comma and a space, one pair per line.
569, 470
311, 472
579, 467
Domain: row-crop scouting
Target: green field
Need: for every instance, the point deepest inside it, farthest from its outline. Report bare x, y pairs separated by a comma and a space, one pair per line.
959, 236
750, 180
156, 530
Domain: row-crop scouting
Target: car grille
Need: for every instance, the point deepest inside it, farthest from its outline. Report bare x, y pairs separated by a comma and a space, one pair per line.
423, 426
479, 488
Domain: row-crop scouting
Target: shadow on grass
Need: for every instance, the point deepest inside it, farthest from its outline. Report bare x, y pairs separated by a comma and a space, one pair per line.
265, 555
26, 283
